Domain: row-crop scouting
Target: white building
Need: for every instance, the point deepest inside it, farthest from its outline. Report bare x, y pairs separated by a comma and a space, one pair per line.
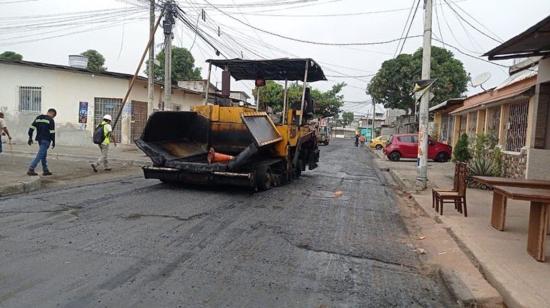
81, 98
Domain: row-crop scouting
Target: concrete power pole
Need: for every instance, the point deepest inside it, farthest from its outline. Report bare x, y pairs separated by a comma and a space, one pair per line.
422, 160
373, 119
168, 24
150, 68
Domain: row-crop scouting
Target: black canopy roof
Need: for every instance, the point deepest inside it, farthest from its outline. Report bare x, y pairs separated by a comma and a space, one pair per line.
276, 69
535, 41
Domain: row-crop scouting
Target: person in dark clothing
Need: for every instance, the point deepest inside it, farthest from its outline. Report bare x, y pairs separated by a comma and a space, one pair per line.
45, 136
356, 139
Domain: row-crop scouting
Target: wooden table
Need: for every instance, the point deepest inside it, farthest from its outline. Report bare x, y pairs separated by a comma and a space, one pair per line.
498, 213
539, 214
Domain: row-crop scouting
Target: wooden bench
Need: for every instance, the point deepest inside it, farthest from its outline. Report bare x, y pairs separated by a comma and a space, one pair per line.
539, 214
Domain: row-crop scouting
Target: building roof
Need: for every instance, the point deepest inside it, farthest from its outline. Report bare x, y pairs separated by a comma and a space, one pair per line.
495, 95
448, 104
535, 41
86, 71
275, 69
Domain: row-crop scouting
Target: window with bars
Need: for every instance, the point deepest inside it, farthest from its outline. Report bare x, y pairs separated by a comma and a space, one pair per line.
493, 120
472, 123
30, 99
517, 127
463, 124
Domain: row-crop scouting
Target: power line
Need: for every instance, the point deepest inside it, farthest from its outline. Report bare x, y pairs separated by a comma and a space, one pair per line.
405, 26
470, 55
477, 21
410, 25
469, 24
307, 41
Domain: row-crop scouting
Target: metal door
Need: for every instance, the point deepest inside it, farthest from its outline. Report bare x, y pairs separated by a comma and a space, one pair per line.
111, 106
139, 119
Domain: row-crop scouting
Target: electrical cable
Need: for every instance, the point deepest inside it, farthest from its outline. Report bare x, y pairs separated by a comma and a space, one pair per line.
405, 27
469, 24
307, 41
409, 29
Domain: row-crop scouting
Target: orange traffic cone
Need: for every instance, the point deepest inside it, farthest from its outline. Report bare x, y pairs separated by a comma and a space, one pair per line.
214, 157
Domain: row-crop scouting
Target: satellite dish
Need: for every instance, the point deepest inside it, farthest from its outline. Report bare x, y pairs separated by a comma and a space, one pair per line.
480, 79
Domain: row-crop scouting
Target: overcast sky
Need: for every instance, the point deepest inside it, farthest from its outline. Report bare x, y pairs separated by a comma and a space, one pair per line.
120, 33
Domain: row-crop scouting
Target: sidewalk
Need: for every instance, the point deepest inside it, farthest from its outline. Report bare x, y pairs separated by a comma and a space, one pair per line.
501, 256
69, 164
120, 153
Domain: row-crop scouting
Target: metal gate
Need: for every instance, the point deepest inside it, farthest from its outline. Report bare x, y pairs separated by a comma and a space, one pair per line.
103, 106
139, 119
517, 130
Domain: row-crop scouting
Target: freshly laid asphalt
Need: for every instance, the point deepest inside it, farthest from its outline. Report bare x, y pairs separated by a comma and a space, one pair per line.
333, 238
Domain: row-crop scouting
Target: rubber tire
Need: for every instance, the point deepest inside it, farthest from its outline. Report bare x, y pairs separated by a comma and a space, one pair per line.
264, 178
379, 147
442, 157
394, 156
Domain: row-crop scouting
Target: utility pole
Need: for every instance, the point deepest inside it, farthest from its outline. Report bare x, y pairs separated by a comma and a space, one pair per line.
373, 118
150, 69
168, 23
422, 160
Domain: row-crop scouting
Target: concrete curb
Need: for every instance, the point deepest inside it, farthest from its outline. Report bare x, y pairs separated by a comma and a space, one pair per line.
33, 184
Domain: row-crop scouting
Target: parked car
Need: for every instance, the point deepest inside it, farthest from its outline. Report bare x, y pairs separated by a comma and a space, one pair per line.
406, 146
379, 142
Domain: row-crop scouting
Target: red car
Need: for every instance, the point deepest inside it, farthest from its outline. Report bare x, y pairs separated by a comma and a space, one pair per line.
406, 146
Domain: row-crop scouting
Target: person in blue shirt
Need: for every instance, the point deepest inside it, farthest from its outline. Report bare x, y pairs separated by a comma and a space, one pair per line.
45, 136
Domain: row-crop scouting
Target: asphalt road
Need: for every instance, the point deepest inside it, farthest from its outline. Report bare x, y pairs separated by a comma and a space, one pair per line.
139, 243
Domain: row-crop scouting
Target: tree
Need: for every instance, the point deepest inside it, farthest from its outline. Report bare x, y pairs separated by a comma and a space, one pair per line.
183, 66
95, 60
347, 118
327, 103
11, 56
393, 83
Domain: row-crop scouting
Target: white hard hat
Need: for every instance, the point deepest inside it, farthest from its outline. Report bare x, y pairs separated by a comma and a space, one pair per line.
107, 117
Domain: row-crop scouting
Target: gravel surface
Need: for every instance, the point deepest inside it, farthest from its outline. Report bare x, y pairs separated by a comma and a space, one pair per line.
333, 238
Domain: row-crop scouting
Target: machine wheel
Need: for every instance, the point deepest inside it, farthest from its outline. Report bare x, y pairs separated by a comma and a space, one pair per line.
379, 147
442, 157
264, 178
394, 156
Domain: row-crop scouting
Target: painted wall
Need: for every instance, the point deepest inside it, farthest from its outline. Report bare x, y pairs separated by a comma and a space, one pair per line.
64, 90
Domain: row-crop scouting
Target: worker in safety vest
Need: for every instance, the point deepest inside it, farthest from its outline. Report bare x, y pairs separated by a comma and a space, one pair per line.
108, 138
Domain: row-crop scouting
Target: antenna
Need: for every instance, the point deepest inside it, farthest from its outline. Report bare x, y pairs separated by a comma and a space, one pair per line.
480, 79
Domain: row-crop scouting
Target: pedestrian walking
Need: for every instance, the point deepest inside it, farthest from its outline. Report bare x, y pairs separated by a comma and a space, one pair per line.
356, 139
3, 130
103, 137
45, 136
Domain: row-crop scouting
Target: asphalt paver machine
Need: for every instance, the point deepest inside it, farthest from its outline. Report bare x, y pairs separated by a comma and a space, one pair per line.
223, 142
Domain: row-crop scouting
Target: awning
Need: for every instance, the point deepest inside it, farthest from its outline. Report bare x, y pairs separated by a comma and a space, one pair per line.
535, 41
452, 102
276, 69
497, 95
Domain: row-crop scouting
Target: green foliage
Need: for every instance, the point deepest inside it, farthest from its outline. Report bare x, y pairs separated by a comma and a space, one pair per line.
487, 158
392, 85
461, 152
347, 118
11, 56
183, 66
327, 103
95, 60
